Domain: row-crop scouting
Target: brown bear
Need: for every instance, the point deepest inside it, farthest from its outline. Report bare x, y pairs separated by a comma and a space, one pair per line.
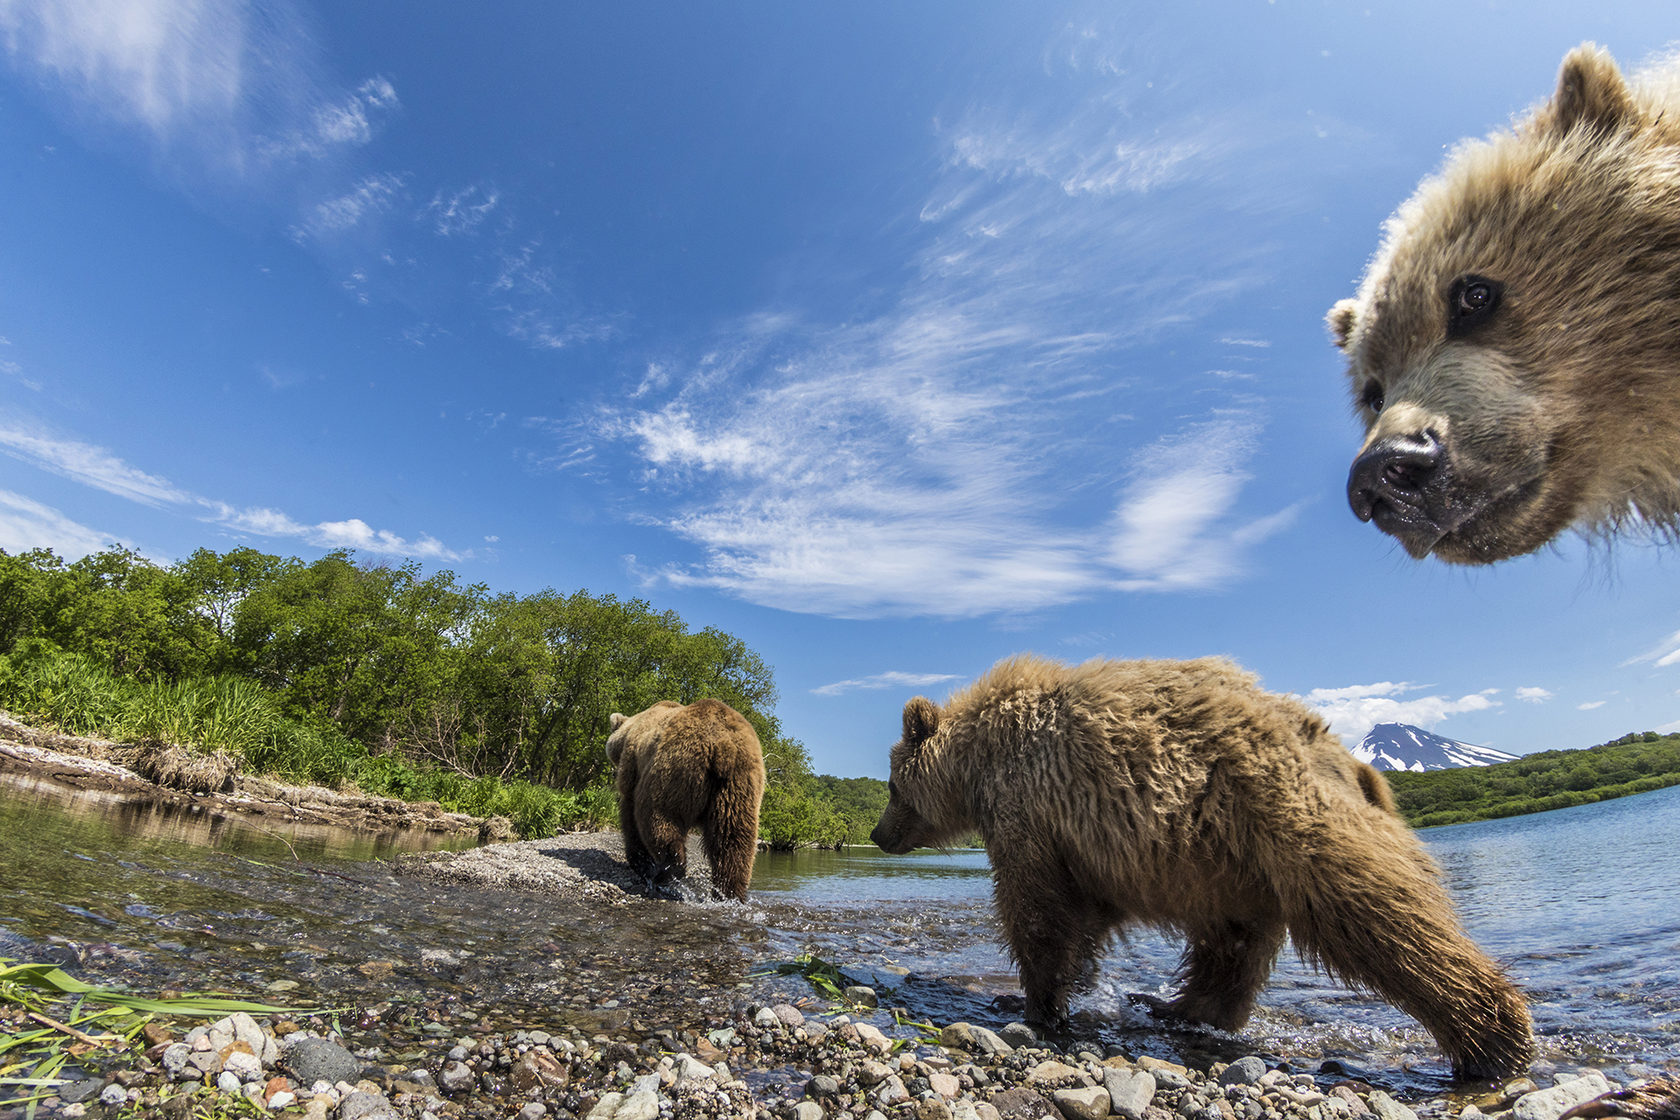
1179, 795
682, 766
1514, 347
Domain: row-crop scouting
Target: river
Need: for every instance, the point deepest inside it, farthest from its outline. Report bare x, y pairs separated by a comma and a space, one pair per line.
1581, 905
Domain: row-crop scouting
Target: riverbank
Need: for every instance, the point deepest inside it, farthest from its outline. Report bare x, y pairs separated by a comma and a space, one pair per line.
640, 1028
172, 776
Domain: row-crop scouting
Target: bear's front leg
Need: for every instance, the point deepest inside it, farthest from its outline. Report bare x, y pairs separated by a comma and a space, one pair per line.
1054, 934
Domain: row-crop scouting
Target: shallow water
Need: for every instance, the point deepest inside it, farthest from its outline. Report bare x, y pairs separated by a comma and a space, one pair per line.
1582, 905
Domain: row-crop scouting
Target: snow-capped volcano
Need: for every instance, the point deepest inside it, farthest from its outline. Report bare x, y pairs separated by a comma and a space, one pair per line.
1400, 746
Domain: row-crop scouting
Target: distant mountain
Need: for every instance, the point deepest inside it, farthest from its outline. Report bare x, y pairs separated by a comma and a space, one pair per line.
1400, 746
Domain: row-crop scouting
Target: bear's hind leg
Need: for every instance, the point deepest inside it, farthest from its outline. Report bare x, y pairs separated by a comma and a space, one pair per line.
635, 851
668, 849
729, 836
1367, 904
1224, 967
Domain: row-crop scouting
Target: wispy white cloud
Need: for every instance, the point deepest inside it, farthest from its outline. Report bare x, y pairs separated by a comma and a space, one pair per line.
374, 195
891, 679
1533, 695
462, 212
158, 63
26, 524
969, 447
1590, 705
1353, 710
1662, 655
535, 305
99, 468
89, 465
230, 85
1173, 527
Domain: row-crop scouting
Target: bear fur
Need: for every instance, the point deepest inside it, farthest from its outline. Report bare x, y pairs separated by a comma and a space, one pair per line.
1179, 795
1514, 347
686, 766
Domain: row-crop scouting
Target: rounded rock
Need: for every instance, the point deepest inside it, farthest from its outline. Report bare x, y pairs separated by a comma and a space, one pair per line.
319, 1059
1243, 1071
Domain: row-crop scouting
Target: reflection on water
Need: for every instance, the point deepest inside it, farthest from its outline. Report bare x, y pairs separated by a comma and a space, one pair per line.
147, 821
866, 876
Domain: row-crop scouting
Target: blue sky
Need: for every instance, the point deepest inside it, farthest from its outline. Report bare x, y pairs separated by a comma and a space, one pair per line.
893, 338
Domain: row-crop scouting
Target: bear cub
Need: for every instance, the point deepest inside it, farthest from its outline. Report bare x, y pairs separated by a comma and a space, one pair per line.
1512, 350
686, 766
1179, 795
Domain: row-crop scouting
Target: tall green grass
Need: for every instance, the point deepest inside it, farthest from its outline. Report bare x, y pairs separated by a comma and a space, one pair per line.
46, 685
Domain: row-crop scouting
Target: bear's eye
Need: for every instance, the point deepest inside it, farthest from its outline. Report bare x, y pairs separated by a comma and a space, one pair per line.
1470, 303
1371, 396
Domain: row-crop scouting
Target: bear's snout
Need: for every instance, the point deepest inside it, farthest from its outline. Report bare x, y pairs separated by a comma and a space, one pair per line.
896, 832
885, 840
1392, 483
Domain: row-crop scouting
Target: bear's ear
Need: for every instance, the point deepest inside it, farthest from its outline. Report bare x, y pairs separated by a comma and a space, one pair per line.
615, 719
921, 720
1591, 93
1341, 319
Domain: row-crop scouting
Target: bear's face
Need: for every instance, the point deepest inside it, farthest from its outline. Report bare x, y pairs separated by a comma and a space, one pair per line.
903, 825
1489, 334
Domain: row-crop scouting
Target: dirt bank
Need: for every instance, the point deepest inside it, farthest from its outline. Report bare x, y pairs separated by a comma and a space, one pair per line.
164, 773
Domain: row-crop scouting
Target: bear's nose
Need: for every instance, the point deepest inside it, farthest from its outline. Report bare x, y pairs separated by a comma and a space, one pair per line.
1393, 472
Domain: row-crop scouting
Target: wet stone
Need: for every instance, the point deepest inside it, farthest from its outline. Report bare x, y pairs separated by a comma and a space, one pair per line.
319, 1059
1018, 1035
861, 996
967, 1036
822, 1085
455, 1077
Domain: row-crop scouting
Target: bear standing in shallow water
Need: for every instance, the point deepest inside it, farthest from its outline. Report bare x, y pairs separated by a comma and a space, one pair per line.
1514, 348
685, 766
1177, 794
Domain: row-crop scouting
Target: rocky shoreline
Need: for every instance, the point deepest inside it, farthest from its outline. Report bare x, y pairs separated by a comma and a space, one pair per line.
762, 1062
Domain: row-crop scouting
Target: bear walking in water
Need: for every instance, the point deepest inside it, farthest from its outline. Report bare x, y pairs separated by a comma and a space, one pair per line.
682, 766
1178, 794
1514, 348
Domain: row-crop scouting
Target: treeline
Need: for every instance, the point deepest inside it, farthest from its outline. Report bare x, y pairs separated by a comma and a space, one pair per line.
380, 676
1636, 763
